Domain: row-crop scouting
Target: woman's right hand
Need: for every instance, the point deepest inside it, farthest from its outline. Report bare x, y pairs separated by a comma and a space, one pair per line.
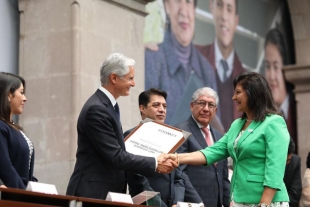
172, 157
3, 186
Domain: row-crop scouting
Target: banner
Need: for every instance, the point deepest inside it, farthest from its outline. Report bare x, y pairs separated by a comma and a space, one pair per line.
207, 43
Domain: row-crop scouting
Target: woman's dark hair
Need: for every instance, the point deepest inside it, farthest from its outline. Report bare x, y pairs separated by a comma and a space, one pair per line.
260, 100
275, 37
9, 83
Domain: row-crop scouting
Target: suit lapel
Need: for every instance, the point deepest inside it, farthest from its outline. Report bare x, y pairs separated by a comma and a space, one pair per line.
211, 56
106, 101
233, 133
197, 132
247, 132
215, 138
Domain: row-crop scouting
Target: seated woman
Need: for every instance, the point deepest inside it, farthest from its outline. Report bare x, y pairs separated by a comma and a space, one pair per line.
16, 150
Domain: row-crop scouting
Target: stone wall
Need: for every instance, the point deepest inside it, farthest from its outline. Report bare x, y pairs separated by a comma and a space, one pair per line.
62, 46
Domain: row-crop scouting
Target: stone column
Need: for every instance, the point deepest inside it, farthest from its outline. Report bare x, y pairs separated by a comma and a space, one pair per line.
62, 46
299, 74
9, 21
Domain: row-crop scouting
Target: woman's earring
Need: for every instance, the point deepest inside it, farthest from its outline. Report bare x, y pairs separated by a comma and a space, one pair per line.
9, 99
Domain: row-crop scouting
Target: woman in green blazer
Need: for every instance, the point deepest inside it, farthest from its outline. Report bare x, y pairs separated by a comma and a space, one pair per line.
257, 142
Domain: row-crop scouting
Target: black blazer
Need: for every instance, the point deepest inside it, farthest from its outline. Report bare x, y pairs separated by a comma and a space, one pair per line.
171, 186
15, 171
292, 180
101, 159
210, 182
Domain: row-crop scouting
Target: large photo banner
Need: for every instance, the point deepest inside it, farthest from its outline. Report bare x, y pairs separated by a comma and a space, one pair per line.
206, 43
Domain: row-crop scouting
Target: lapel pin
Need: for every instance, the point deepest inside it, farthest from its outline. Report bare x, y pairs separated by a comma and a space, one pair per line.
250, 130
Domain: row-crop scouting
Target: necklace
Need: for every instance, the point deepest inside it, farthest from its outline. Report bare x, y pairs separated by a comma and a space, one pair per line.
249, 120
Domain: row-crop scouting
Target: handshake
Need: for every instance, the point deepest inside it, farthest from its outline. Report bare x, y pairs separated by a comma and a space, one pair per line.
167, 162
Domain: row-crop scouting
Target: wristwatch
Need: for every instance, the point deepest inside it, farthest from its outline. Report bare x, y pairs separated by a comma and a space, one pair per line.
263, 205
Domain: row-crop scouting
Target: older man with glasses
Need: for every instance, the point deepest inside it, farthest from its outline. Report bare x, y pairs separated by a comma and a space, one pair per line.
211, 182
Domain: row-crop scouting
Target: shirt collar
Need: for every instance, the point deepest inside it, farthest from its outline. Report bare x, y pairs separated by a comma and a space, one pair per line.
219, 57
199, 125
108, 94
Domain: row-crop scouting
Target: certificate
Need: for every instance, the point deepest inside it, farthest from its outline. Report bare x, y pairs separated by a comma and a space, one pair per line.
151, 138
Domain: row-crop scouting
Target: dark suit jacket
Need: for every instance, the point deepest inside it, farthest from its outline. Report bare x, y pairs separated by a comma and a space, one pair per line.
171, 186
292, 180
14, 158
209, 53
102, 161
210, 182
291, 119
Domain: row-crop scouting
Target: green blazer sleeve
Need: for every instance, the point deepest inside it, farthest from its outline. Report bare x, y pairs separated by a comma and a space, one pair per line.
276, 143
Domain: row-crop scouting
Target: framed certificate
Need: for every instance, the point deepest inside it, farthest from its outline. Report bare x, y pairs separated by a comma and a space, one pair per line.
151, 138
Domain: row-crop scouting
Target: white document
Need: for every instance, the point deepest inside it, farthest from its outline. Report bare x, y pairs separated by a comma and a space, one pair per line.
41, 188
184, 204
119, 197
152, 139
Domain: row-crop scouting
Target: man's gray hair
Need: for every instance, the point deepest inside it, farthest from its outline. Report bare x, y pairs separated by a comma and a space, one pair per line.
205, 91
115, 63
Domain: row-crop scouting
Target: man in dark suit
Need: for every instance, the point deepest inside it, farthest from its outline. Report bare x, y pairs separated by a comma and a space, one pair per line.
152, 104
102, 161
292, 175
223, 57
211, 182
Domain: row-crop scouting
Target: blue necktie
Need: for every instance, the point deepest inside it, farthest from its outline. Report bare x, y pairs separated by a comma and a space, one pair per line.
116, 108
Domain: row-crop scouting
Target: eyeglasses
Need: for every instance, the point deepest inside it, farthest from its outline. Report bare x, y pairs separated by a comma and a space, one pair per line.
203, 104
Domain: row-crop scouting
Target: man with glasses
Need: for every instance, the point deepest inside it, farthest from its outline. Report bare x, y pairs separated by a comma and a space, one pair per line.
152, 104
211, 182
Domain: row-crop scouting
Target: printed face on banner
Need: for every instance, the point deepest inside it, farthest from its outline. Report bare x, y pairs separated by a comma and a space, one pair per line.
274, 73
181, 15
225, 20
